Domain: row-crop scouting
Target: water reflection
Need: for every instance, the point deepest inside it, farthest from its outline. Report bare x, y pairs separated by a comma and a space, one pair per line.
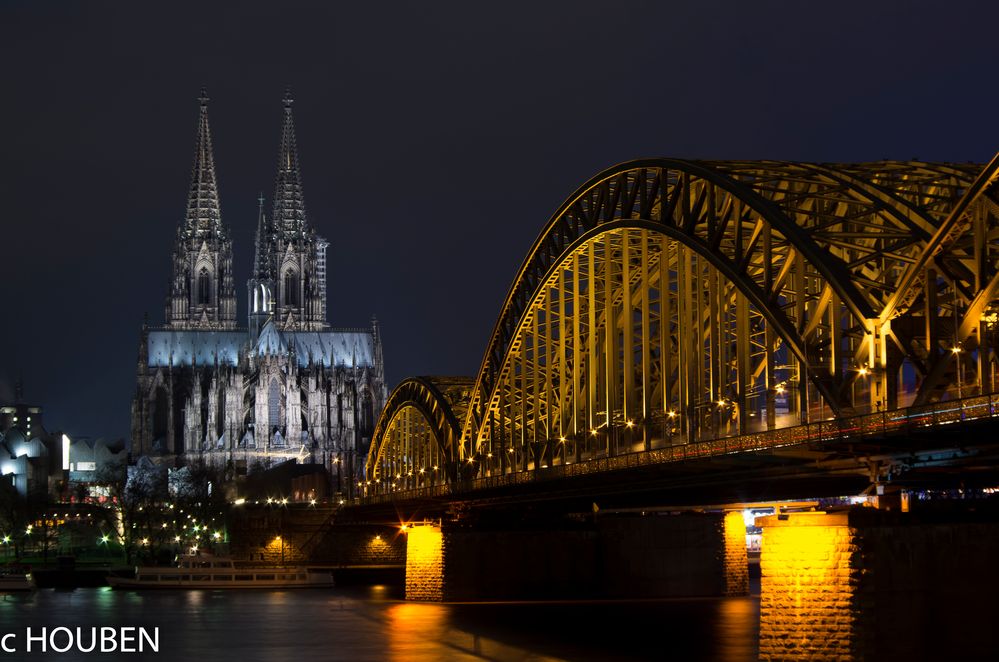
374, 624
736, 629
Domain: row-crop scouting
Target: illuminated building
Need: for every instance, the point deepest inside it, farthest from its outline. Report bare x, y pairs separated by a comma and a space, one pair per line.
37, 462
286, 386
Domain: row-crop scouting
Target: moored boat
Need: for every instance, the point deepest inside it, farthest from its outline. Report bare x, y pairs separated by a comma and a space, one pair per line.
204, 572
15, 578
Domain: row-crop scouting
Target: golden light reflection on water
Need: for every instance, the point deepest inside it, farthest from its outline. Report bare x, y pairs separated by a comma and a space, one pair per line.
422, 631
736, 629
416, 630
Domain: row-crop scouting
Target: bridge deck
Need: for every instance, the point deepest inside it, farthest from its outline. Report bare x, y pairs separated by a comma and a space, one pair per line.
827, 447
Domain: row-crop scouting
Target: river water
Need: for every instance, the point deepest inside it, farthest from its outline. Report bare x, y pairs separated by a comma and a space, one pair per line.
373, 623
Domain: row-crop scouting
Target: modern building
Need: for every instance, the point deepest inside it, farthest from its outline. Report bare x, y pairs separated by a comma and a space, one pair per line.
285, 386
39, 463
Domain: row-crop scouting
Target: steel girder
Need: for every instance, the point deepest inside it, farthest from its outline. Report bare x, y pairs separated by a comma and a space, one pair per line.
832, 270
418, 430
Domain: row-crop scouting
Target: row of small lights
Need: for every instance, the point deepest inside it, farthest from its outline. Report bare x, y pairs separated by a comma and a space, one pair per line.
780, 388
283, 501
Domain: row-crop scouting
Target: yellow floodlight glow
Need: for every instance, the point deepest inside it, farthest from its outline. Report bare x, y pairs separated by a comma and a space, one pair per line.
424, 557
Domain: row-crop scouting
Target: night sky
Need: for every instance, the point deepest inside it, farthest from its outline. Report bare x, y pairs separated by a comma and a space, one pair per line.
435, 141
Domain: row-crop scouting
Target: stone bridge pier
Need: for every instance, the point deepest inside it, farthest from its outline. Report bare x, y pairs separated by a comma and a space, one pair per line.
869, 584
612, 556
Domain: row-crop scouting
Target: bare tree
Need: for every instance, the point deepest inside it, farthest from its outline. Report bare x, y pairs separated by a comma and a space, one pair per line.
135, 505
201, 499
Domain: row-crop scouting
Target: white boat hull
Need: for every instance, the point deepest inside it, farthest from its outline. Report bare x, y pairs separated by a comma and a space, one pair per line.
240, 579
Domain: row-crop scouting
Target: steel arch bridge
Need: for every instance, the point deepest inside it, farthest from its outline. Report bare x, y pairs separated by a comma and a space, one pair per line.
672, 303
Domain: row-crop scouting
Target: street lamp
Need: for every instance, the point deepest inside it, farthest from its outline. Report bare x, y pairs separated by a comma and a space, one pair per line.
956, 351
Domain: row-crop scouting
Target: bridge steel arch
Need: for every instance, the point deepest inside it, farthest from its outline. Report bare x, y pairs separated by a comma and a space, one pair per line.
417, 432
670, 301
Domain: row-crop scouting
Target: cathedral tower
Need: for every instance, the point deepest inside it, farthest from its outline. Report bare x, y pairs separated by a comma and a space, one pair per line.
289, 279
286, 387
202, 294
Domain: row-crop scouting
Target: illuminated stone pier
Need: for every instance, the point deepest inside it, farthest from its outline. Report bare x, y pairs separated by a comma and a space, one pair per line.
425, 563
619, 556
864, 584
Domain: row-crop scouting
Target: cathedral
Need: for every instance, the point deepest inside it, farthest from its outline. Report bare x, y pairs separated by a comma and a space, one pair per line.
285, 386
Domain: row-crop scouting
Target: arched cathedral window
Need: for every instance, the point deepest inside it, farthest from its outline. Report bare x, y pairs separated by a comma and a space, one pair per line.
265, 299
291, 289
273, 405
204, 287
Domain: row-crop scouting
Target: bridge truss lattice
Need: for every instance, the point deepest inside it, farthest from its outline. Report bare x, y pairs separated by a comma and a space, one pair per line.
672, 302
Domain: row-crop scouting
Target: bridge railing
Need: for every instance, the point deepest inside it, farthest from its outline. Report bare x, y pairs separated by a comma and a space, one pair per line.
893, 422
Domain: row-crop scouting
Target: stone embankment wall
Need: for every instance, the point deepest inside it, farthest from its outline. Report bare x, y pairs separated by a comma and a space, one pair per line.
295, 533
270, 533
362, 546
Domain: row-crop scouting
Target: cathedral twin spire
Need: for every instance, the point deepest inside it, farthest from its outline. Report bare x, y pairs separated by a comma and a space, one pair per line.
288, 280
289, 266
201, 294
289, 201
204, 213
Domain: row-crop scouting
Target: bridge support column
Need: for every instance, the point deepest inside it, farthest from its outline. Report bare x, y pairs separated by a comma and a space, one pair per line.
425, 563
865, 584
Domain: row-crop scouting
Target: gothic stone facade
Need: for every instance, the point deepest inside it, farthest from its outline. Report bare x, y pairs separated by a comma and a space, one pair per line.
285, 387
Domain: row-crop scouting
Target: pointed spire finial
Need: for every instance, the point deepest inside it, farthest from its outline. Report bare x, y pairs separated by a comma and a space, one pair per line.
289, 201
203, 209
288, 99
